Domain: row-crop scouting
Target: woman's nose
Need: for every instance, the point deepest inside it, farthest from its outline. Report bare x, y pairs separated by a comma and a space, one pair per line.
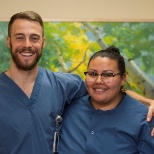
99, 79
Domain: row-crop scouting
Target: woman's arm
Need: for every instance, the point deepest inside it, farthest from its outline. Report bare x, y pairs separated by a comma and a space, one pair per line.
146, 101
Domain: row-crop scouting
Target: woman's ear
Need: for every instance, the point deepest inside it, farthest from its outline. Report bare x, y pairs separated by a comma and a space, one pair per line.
124, 77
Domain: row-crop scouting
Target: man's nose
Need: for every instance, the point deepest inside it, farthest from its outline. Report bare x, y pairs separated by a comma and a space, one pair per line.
27, 42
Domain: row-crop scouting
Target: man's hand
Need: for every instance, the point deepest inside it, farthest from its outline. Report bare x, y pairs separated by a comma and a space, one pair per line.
146, 101
151, 111
151, 114
152, 132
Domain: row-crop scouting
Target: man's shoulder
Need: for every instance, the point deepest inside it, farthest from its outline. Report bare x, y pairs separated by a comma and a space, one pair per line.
59, 77
58, 74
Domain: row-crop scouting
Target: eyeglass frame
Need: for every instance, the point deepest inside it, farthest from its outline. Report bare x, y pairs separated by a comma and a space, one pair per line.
102, 75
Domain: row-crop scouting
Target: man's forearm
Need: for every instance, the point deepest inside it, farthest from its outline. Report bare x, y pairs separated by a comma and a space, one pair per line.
139, 97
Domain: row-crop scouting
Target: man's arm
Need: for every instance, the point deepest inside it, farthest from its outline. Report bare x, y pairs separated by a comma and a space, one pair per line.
146, 101
140, 98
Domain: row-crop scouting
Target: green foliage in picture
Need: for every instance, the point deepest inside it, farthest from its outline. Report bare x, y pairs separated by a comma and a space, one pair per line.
70, 44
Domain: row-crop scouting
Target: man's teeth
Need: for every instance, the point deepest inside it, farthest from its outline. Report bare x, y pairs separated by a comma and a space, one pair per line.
27, 54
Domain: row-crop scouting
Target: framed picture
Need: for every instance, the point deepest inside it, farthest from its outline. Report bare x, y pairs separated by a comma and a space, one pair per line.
70, 44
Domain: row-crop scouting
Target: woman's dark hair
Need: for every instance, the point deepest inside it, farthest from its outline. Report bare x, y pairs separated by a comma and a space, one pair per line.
113, 53
28, 15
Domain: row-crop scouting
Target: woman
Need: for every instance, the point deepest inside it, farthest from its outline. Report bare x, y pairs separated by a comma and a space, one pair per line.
107, 121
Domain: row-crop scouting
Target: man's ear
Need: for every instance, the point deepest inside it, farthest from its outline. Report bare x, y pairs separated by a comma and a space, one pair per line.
43, 42
8, 40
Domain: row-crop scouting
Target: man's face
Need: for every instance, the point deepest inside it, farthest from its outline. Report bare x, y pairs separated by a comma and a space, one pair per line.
26, 43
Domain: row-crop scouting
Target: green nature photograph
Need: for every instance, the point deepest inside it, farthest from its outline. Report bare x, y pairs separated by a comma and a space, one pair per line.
70, 44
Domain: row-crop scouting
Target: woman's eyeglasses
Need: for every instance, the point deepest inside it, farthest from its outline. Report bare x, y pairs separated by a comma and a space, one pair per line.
106, 77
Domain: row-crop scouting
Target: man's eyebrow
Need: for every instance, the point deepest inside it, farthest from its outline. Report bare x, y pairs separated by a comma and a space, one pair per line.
18, 34
30, 34
34, 35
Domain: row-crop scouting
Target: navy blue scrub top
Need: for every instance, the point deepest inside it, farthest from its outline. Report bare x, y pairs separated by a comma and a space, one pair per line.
27, 126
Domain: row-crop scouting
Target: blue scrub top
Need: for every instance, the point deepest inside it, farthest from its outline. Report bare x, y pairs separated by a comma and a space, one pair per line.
27, 126
123, 130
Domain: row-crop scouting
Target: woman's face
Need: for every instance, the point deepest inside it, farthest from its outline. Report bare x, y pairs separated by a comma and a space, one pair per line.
104, 91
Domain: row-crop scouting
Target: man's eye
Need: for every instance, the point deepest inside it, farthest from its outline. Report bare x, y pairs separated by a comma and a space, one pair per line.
19, 38
34, 39
107, 74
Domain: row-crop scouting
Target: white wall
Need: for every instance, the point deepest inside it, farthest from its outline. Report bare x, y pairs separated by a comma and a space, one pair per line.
82, 10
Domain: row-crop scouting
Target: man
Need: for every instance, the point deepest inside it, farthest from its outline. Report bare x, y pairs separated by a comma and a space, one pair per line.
31, 97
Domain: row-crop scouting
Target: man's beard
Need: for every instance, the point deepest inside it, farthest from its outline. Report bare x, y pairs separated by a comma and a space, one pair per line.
20, 65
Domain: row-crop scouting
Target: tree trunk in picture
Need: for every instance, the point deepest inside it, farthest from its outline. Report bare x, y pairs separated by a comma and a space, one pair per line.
134, 72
